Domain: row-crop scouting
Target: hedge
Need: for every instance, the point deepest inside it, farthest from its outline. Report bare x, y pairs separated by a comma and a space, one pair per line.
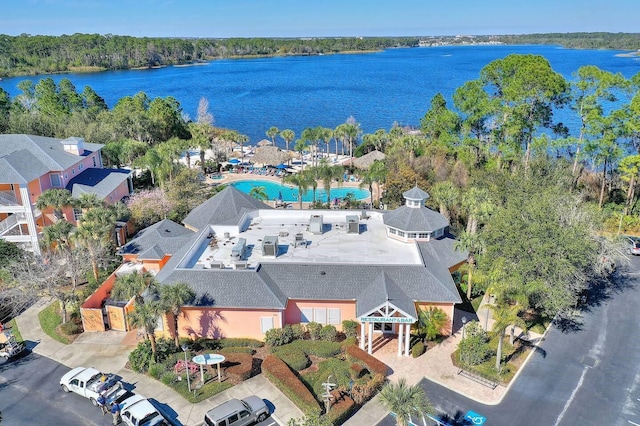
237, 350
319, 348
243, 365
342, 409
373, 364
284, 379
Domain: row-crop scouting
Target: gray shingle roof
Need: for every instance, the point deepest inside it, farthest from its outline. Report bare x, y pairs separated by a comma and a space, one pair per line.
47, 154
101, 182
21, 167
414, 219
415, 193
164, 237
225, 208
441, 251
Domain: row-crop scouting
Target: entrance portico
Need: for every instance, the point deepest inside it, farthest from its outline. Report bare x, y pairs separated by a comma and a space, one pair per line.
387, 318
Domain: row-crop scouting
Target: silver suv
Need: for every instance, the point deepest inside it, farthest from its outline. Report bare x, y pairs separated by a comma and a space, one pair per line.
237, 412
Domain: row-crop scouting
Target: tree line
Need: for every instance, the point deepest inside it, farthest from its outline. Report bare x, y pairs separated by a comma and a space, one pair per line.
39, 54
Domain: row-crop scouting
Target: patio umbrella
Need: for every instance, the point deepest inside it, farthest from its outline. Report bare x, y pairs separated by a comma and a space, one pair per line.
234, 161
281, 166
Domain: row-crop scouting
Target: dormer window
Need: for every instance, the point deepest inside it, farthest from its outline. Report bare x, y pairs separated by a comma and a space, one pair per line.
73, 145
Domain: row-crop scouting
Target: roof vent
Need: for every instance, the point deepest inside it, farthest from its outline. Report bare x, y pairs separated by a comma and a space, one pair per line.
353, 224
315, 224
270, 246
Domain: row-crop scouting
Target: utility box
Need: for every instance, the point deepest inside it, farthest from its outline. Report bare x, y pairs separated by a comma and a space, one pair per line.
237, 252
353, 224
270, 246
315, 224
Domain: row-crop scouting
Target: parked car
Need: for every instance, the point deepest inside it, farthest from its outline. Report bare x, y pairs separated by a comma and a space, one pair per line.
238, 412
88, 382
634, 247
138, 411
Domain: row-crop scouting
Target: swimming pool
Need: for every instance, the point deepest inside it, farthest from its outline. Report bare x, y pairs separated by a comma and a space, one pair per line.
290, 193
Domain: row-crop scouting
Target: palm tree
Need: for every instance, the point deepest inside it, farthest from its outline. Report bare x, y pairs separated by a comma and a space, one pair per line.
288, 135
349, 131
472, 243
311, 135
326, 135
272, 133
431, 322
376, 173
145, 315
173, 297
58, 235
88, 200
94, 233
405, 401
132, 285
478, 206
505, 315
328, 173
55, 198
446, 195
259, 193
302, 181
299, 147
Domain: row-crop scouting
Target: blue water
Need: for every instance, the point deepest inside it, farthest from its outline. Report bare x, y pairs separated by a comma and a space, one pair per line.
290, 194
377, 89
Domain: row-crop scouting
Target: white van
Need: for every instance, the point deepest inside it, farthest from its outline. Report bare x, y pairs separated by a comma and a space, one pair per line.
237, 412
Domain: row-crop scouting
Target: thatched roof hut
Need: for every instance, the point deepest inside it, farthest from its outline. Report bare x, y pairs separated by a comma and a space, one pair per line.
269, 155
367, 160
264, 142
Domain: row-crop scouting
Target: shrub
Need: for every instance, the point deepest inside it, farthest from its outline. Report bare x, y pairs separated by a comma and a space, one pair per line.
242, 365
373, 364
350, 328
431, 322
168, 377
156, 370
279, 336
298, 331
320, 348
417, 349
284, 379
71, 328
314, 330
362, 392
350, 341
357, 371
240, 341
140, 357
328, 333
293, 356
475, 348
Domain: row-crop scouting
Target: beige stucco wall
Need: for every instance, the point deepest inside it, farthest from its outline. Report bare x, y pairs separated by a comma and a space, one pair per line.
448, 309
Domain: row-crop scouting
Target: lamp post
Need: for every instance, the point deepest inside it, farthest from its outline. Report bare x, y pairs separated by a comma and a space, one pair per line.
185, 348
464, 323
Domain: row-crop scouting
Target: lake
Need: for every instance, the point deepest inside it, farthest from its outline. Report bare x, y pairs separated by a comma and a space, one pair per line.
377, 89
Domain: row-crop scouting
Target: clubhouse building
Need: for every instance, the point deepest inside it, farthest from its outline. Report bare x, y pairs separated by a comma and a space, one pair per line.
254, 268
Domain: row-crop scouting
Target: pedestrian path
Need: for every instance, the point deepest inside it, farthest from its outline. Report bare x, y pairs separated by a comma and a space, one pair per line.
108, 351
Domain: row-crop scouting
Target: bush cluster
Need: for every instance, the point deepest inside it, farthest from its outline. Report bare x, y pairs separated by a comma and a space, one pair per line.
279, 373
71, 328
206, 344
314, 329
341, 409
294, 356
295, 332
475, 348
363, 392
350, 328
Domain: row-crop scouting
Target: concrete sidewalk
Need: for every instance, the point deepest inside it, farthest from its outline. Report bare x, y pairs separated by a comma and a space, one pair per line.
106, 352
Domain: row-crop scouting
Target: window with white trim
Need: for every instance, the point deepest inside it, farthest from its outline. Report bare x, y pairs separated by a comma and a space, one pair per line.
266, 324
320, 315
412, 234
400, 233
94, 160
77, 214
392, 230
424, 235
334, 316
80, 166
306, 315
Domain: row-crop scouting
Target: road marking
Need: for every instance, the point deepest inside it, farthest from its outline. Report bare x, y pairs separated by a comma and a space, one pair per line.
573, 394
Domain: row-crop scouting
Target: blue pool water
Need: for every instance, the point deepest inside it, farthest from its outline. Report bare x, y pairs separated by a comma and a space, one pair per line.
290, 194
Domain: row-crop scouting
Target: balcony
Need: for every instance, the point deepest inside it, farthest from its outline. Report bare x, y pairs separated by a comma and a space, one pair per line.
8, 198
7, 225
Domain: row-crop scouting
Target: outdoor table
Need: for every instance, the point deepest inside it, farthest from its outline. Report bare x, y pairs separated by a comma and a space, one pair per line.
209, 359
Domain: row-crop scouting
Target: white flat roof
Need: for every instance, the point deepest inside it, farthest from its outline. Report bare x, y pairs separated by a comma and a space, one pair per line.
334, 245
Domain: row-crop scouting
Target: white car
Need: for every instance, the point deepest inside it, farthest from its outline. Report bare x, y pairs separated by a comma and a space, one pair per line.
138, 411
634, 247
88, 382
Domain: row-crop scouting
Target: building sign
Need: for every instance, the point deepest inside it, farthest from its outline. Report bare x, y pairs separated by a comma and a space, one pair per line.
400, 320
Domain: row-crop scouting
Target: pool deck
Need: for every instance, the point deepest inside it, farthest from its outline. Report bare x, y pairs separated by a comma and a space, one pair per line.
234, 177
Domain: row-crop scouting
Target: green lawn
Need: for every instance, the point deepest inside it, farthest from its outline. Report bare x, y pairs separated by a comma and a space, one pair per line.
16, 332
50, 319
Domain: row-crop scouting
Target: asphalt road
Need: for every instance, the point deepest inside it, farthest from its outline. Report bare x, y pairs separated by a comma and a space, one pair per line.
586, 373
30, 394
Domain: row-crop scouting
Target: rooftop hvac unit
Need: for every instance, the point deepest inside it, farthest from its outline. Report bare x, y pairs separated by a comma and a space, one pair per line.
240, 265
315, 224
353, 225
300, 241
227, 235
238, 251
270, 246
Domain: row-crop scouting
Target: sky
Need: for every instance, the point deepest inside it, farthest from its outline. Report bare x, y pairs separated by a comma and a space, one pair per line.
319, 18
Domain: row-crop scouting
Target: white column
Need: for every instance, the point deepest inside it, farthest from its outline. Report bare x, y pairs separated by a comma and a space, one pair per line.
400, 328
370, 332
362, 325
407, 338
